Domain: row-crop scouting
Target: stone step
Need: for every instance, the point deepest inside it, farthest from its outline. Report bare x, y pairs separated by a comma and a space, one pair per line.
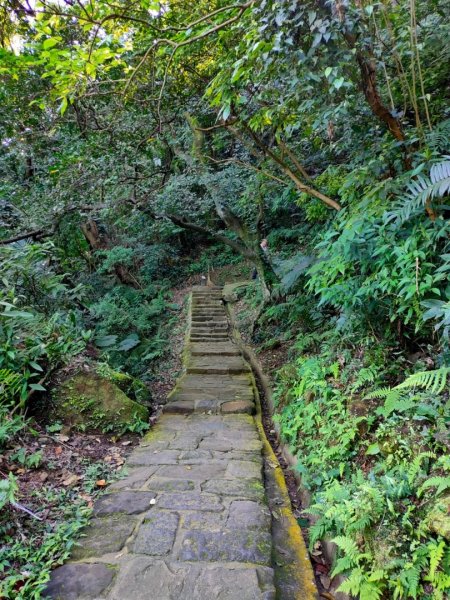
197, 307
222, 335
206, 320
208, 332
207, 306
213, 318
198, 296
186, 407
209, 325
214, 349
217, 370
207, 339
209, 328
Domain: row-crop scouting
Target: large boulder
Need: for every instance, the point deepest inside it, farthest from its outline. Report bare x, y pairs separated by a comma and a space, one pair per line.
86, 400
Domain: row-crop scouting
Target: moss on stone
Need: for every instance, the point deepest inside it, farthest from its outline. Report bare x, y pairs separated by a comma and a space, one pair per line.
88, 401
439, 517
133, 388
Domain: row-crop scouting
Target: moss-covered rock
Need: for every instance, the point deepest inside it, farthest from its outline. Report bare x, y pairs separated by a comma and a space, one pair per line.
87, 400
133, 388
439, 517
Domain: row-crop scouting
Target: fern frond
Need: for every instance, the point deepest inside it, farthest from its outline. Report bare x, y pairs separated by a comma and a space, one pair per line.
10, 383
422, 189
440, 483
348, 546
342, 564
416, 464
436, 555
379, 394
365, 376
434, 380
439, 138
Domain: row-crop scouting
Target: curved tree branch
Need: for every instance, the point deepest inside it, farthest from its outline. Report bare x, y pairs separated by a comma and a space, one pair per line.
47, 231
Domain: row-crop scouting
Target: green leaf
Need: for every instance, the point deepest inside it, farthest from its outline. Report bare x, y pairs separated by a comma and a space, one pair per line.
373, 449
128, 343
50, 42
36, 366
105, 341
63, 106
38, 387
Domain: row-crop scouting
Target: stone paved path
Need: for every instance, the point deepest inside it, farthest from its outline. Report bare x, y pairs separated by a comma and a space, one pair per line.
191, 520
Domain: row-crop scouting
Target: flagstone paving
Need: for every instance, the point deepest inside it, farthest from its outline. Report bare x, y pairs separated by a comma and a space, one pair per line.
191, 520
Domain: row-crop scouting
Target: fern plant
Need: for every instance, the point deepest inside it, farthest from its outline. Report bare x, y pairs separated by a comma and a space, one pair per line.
10, 384
398, 398
424, 188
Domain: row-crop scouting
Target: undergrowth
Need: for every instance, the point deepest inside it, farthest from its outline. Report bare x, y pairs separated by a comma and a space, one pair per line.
375, 459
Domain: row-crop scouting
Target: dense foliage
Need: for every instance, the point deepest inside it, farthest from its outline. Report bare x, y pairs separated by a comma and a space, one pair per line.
143, 143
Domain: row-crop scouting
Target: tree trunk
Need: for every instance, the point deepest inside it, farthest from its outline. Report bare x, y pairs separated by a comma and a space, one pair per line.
98, 242
267, 276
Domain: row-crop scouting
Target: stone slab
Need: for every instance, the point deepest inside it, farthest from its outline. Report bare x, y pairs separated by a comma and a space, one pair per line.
134, 479
146, 457
104, 536
245, 469
238, 407
180, 407
247, 514
157, 533
227, 546
212, 349
129, 503
209, 470
230, 444
190, 501
162, 484
147, 578
247, 489
79, 581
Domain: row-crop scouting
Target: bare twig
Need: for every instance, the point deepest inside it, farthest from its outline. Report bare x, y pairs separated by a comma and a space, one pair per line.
24, 509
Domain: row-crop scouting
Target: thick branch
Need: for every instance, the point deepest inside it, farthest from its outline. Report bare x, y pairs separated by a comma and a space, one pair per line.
241, 249
47, 231
288, 171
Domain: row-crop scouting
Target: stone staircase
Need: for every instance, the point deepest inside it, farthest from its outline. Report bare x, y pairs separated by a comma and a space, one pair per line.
203, 513
217, 379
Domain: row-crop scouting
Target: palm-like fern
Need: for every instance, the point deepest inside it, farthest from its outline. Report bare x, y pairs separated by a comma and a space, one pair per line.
397, 398
10, 384
438, 139
425, 188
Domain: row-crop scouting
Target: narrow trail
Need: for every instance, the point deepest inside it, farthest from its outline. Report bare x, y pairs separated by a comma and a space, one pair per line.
204, 513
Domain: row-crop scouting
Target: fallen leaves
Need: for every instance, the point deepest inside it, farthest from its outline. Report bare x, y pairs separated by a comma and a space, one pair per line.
71, 480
